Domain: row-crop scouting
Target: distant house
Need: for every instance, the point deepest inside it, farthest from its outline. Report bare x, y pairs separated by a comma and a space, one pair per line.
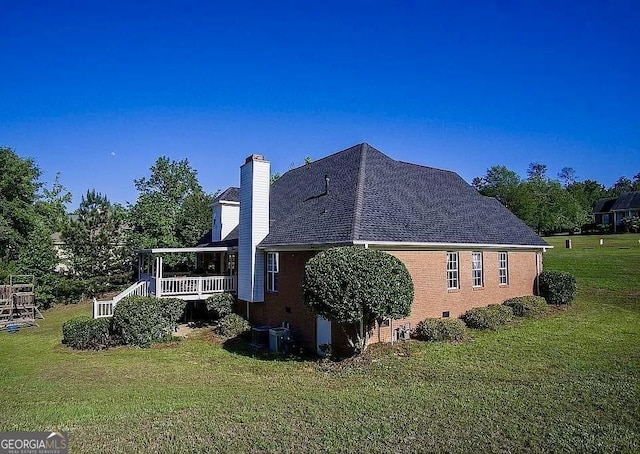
612, 211
462, 249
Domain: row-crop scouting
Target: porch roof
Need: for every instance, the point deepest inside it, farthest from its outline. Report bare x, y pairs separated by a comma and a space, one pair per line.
172, 250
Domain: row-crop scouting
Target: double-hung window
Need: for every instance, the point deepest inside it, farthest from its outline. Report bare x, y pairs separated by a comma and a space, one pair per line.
453, 281
476, 269
503, 268
273, 267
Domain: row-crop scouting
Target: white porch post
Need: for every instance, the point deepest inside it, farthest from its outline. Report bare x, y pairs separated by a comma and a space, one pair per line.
158, 276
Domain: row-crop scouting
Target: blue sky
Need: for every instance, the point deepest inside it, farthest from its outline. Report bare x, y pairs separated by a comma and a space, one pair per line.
98, 90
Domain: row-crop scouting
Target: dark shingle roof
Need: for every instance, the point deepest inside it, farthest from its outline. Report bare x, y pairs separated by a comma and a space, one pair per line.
372, 197
627, 201
604, 205
230, 195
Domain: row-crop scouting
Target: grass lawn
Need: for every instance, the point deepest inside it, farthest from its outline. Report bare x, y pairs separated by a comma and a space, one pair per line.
569, 382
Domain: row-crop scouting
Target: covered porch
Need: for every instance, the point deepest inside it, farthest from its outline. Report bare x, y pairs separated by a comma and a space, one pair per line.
214, 271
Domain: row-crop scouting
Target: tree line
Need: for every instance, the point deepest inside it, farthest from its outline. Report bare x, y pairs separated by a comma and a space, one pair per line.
99, 238
549, 205
96, 243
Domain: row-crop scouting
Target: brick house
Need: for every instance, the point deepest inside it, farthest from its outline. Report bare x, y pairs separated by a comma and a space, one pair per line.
462, 249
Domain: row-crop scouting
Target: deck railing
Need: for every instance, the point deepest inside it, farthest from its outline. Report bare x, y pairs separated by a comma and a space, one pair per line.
105, 308
197, 285
192, 287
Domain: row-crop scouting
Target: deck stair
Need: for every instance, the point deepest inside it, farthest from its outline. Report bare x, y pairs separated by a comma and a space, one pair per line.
105, 308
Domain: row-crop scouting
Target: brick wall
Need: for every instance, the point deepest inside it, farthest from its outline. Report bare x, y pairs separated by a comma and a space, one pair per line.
428, 271
286, 305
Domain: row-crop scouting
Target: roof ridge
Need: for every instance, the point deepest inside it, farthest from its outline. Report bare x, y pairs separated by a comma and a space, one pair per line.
357, 215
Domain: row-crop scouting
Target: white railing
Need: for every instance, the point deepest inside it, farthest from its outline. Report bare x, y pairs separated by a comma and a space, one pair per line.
200, 286
197, 285
105, 308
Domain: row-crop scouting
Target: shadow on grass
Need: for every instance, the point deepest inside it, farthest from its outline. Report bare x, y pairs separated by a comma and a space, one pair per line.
242, 346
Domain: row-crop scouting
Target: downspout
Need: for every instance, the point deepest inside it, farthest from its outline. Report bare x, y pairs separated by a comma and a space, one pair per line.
538, 257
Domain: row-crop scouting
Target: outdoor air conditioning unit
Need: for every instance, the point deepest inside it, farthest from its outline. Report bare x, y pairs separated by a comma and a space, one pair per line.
403, 332
260, 337
278, 338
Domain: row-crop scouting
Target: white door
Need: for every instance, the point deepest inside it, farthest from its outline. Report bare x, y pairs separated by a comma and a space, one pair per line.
323, 334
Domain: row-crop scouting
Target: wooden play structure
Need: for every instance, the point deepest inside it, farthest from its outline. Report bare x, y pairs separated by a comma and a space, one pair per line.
18, 303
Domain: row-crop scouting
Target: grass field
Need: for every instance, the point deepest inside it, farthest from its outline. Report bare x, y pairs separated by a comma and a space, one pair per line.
569, 382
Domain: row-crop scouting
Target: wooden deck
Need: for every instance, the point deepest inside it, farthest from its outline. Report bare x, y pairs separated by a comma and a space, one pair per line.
188, 288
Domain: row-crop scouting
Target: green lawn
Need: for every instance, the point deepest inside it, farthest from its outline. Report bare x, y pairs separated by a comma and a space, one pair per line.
569, 382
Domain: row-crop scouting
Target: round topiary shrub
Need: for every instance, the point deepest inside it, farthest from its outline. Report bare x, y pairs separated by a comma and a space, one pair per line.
85, 333
527, 306
140, 320
557, 287
440, 329
489, 317
220, 305
232, 325
357, 287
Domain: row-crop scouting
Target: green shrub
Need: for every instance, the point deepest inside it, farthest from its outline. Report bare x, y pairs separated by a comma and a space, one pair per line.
440, 329
232, 325
220, 305
489, 317
85, 333
173, 310
527, 306
557, 287
356, 287
140, 320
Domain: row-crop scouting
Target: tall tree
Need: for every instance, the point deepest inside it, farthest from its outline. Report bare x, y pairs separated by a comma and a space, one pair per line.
172, 210
537, 172
29, 214
567, 176
95, 241
19, 186
623, 184
636, 182
501, 183
587, 193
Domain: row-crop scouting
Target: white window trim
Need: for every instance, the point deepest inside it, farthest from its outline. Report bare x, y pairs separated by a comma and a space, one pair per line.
273, 273
502, 268
453, 274
474, 276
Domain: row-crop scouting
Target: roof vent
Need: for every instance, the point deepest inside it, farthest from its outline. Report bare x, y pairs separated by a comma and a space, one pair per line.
326, 184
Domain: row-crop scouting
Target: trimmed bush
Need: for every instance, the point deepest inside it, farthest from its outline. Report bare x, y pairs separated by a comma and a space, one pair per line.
557, 287
489, 317
140, 320
86, 333
232, 325
527, 306
173, 310
220, 305
440, 329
